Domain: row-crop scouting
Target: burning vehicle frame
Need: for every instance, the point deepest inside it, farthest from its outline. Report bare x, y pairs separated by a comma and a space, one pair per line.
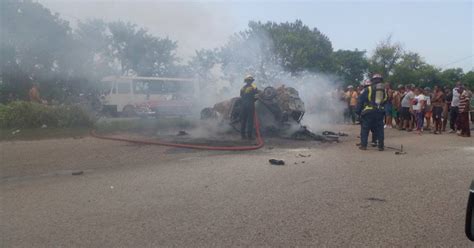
279, 111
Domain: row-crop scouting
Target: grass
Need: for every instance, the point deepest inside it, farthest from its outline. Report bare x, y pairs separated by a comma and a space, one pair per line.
42, 133
104, 126
141, 125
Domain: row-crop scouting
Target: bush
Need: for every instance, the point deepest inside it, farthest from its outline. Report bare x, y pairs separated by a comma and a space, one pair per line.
20, 114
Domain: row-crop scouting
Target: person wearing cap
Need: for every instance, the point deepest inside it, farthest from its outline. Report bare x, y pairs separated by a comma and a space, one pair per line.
371, 109
364, 85
248, 96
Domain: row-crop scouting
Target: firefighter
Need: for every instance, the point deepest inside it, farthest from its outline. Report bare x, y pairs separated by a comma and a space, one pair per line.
248, 95
371, 109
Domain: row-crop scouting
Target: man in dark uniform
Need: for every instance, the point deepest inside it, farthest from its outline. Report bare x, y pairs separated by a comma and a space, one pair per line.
248, 95
371, 109
365, 85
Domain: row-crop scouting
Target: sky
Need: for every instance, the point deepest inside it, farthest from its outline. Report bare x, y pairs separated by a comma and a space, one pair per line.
442, 32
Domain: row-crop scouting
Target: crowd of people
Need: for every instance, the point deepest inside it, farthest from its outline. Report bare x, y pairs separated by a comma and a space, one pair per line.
412, 108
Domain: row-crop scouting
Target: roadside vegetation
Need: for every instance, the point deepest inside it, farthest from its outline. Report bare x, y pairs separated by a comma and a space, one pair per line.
21, 120
21, 114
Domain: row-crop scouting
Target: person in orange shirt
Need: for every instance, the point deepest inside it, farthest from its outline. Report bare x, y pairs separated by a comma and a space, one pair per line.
34, 94
352, 96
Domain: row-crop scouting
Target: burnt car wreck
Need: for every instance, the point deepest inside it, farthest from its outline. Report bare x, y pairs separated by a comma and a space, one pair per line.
279, 111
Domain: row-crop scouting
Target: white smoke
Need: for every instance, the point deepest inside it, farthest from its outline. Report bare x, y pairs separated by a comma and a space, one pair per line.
317, 90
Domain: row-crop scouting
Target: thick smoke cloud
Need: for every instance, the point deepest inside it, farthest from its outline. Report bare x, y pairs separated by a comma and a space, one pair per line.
194, 25
253, 56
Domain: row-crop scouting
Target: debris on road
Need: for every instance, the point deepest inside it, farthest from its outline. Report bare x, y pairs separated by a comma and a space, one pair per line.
304, 134
276, 162
304, 156
336, 134
77, 173
375, 199
182, 133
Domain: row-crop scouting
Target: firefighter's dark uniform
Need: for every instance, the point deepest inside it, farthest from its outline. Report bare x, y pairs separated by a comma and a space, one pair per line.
247, 94
374, 139
371, 109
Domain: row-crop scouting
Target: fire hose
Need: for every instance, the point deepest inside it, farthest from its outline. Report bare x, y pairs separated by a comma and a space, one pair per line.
259, 144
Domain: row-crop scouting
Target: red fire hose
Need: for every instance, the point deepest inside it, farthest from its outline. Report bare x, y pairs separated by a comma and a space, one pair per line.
191, 146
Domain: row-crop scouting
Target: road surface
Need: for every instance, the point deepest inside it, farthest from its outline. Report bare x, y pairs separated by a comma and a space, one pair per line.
146, 196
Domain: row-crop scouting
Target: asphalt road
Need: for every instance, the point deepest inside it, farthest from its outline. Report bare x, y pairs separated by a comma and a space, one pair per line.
326, 195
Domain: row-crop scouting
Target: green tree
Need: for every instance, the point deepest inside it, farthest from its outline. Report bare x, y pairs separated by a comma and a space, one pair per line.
298, 47
452, 76
351, 66
407, 70
412, 69
35, 46
468, 80
202, 63
270, 49
386, 55
139, 52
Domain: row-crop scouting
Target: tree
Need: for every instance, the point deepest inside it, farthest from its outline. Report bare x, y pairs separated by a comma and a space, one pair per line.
298, 47
412, 69
406, 71
468, 80
202, 63
452, 76
93, 41
271, 49
385, 57
35, 45
139, 52
351, 66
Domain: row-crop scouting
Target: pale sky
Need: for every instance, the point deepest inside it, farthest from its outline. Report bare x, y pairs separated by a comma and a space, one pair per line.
440, 31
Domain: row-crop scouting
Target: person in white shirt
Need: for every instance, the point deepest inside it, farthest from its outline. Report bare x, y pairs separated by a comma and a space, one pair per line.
454, 111
419, 104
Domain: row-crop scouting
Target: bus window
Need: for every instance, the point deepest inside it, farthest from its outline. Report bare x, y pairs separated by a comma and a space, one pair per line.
123, 88
140, 87
155, 87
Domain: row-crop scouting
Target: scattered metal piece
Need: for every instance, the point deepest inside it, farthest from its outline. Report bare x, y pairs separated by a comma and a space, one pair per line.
334, 133
375, 199
182, 133
77, 173
304, 134
276, 162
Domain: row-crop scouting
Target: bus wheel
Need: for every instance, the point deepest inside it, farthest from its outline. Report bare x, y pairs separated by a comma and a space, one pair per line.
129, 111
